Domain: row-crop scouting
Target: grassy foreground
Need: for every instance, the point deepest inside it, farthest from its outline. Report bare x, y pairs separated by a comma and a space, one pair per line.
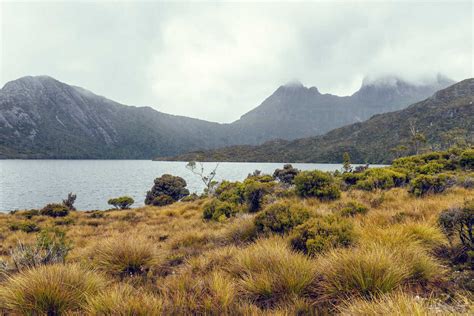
367, 251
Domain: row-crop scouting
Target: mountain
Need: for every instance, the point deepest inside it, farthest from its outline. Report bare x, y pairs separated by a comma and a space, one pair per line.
41, 117
448, 112
295, 111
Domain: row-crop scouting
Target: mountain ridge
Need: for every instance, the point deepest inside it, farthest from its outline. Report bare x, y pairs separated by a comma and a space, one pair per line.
41, 117
450, 109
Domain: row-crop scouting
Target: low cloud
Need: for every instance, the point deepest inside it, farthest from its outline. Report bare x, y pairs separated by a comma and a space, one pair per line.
216, 61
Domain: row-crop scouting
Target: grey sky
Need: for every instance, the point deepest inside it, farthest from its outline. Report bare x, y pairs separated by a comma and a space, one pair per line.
216, 61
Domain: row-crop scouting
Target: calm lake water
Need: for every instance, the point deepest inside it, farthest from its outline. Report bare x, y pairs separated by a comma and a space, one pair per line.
26, 184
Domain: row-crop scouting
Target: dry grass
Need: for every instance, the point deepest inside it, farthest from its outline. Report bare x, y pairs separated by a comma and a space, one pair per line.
197, 267
50, 290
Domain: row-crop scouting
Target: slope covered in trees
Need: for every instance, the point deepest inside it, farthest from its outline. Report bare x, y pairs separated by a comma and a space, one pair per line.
444, 119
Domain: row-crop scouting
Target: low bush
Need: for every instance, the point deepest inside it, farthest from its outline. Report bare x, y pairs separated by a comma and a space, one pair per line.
54, 210
124, 300
316, 184
380, 178
280, 218
50, 290
467, 159
27, 227
286, 175
232, 192
123, 202
190, 198
254, 192
51, 247
323, 233
162, 200
360, 272
167, 185
218, 211
458, 222
353, 208
430, 184
124, 256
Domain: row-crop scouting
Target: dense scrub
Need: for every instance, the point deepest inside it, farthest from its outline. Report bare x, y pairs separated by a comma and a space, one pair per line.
355, 243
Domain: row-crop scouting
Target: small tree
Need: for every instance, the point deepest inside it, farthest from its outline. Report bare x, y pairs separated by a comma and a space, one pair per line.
416, 138
166, 190
69, 201
286, 175
208, 179
123, 202
346, 158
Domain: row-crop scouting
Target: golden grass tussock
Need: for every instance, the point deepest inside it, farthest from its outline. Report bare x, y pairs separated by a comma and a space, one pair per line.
124, 300
269, 271
125, 256
359, 272
397, 304
50, 290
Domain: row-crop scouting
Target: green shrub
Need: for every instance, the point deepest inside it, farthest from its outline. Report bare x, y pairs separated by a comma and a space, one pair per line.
286, 175
353, 208
316, 184
29, 214
467, 159
280, 218
54, 210
380, 178
351, 178
51, 247
27, 227
458, 222
123, 202
254, 191
168, 185
162, 200
190, 198
432, 167
232, 192
323, 233
218, 211
426, 184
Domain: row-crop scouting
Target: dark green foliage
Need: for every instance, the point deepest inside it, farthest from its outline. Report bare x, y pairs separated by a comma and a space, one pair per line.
69, 201
467, 159
218, 211
316, 184
323, 233
254, 191
458, 222
380, 178
30, 213
286, 175
27, 227
280, 218
232, 192
346, 164
190, 198
54, 210
351, 178
353, 208
166, 185
426, 184
162, 200
122, 202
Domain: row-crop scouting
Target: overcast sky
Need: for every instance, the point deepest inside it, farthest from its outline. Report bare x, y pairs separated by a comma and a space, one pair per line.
216, 61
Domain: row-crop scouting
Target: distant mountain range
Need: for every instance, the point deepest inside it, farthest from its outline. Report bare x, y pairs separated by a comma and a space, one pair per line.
448, 113
41, 117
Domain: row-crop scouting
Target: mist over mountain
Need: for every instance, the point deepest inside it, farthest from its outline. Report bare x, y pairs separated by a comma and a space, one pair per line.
450, 110
41, 117
295, 111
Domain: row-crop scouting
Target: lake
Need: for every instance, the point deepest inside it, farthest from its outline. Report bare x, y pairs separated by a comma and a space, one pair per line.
26, 184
